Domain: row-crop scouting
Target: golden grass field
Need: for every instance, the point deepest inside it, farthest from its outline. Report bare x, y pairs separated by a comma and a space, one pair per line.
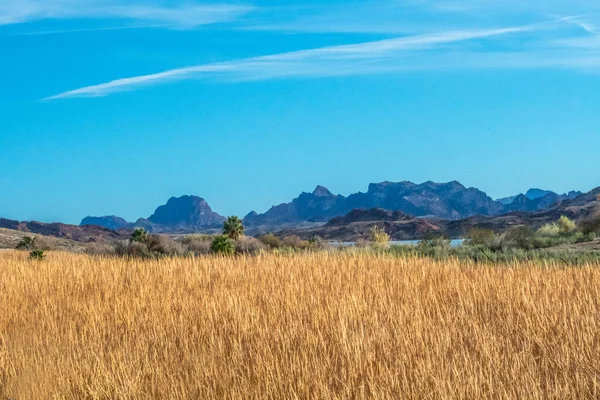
313, 326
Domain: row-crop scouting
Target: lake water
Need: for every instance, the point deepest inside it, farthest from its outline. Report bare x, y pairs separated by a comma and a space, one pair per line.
453, 243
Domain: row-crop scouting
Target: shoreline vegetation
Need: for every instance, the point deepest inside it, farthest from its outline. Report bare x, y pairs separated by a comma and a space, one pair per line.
564, 240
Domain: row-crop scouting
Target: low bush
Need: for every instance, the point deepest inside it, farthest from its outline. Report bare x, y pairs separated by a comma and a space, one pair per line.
480, 237
317, 243
549, 230
294, 242
145, 245
162, 245
197, 245
270, 241
566, 226
562, 232
133, 250
434, 247
222, 245
521, 237
100, 249
37, 255
518, 244
249, 245
590, 225
362, 243
480, 254
487, 239
196, 238
379, 238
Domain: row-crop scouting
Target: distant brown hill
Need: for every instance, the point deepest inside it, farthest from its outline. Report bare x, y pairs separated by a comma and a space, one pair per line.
375, 214
9, 239
70, 232
358, 224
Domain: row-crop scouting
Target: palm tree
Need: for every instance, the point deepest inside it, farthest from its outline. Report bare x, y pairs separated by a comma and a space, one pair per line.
27, 242
233, 228
139, 235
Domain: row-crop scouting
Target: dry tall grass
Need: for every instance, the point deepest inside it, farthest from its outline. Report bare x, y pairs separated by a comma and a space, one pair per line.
312, 326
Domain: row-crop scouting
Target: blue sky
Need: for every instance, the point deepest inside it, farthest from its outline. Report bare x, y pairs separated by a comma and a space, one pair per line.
112, 107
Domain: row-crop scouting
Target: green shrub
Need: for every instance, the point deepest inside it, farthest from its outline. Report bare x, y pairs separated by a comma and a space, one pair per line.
37, 255
591, 236
222, 245
436, 247
521, 237
480, 237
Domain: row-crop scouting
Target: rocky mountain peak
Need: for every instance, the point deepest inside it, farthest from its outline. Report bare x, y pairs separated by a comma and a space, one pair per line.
322, 191
189, 211
110, 222
535, 193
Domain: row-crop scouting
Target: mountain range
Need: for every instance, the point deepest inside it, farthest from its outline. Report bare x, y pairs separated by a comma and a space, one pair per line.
446, 201
358, 223
309, 214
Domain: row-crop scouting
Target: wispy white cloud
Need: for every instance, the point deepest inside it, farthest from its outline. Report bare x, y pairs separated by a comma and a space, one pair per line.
370, 57
128, 83
411, 16
184, 15
584, 23
565, 43
513, 7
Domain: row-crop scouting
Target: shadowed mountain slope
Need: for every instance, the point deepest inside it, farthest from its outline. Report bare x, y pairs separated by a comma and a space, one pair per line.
180, 214
443, 200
